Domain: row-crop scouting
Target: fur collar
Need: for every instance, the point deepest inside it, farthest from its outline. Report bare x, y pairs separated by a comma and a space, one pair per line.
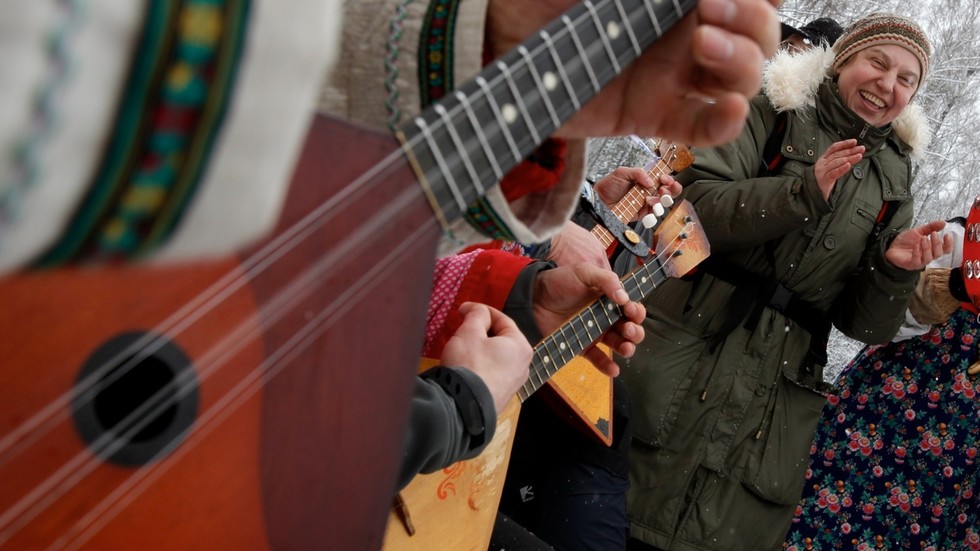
791, 81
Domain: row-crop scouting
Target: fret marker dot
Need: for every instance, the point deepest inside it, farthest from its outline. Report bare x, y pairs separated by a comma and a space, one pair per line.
613, 29
509, 112
546, 359
549, 80
644, 279
610, 307
590, 324
563, 346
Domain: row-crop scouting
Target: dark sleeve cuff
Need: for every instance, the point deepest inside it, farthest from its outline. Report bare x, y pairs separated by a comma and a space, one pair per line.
519, 304
471, 397
442, 421
539, 251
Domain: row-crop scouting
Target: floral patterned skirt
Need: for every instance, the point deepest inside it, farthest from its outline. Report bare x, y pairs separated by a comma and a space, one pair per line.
894, 462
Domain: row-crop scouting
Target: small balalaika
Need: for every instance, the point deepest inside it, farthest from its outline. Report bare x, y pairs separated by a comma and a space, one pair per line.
260, 401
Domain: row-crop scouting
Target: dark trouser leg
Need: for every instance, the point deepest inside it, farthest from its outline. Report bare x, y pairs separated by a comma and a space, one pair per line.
565, 487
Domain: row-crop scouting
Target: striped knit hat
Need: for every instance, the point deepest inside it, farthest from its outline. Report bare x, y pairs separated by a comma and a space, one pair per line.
883, 28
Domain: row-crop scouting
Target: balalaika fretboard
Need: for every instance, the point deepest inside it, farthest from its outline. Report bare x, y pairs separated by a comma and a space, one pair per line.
471, 138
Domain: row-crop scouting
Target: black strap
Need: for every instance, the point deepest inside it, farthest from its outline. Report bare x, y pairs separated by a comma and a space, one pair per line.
766, 291
772, 162
754, 292
888, 209
772, 154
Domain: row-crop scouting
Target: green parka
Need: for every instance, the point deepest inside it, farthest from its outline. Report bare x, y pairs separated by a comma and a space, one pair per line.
722, 434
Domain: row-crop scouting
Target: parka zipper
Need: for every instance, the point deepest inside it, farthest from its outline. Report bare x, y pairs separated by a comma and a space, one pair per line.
864, 131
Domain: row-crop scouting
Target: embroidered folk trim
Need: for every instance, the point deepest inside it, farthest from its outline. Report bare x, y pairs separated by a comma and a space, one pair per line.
435, 62
175, 100
436, 51
482, 216
392, 52
45, 112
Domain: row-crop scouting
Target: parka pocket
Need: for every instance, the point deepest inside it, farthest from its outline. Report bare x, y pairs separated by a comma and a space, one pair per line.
864, 216
786, 456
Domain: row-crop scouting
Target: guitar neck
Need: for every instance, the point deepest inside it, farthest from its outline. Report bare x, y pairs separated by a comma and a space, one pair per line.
469, 140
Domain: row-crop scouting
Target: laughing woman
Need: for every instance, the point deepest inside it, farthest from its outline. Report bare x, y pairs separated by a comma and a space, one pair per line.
807, 212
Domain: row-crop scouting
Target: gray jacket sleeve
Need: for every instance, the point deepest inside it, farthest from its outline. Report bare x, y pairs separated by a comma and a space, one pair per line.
446, 425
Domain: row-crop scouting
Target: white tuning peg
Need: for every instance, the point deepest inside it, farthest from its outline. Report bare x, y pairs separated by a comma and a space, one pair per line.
649, 221
667, 201
659, 210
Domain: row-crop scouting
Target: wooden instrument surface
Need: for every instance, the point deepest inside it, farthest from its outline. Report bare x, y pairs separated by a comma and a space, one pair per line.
287, 379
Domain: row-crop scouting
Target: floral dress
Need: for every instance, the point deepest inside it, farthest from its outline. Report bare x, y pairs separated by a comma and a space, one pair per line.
894, 462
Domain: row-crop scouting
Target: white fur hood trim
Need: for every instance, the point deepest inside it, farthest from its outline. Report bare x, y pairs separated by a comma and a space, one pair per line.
791, 81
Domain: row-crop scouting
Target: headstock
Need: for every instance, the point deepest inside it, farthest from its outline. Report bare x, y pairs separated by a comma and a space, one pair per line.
679, 240
676, 156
